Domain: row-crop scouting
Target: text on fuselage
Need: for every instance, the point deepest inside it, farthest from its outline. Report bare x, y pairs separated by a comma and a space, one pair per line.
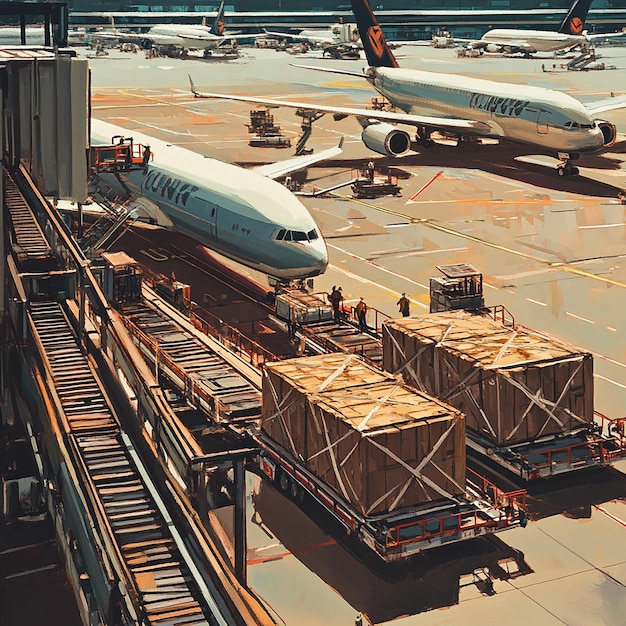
172, 188
504, 106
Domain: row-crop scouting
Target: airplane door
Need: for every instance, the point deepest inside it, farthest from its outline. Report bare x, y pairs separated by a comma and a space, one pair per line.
542, 122
212, 223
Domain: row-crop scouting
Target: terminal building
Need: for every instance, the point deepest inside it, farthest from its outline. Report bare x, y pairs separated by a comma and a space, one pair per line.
399, 21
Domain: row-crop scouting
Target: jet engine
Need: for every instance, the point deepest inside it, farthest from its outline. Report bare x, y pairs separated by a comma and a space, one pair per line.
386, 139
609, 132
493, 48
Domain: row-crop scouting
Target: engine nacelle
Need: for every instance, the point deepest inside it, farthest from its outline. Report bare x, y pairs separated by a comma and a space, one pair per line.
609, 132
493, 48
386, 139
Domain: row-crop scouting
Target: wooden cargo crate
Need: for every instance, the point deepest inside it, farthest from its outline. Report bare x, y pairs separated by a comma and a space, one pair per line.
513, 385
380, 444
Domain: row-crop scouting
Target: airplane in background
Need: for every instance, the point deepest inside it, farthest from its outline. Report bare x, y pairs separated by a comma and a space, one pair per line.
245, 215
546, 120
188, 36
571, 34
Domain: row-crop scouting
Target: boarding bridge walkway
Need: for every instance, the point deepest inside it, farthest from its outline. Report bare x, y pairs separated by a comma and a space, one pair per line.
146, 556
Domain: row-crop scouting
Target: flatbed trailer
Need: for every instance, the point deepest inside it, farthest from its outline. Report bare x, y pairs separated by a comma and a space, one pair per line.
556, 454
393, 537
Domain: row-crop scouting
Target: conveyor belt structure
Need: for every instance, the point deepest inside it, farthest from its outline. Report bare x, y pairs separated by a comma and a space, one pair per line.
166, 590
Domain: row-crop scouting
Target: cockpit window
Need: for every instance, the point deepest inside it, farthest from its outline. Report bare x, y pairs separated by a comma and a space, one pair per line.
296, 235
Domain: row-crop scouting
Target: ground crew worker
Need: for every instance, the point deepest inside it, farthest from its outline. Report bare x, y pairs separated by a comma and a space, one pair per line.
146, 155
360, 311
403, 305
335, 297
370, 168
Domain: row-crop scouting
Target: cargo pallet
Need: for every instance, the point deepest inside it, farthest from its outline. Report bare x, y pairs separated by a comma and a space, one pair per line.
556, 454
393, 537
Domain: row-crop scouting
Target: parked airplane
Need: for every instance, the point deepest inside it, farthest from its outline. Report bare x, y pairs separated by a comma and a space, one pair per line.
549, 121
189, 36
243, 214
570, 34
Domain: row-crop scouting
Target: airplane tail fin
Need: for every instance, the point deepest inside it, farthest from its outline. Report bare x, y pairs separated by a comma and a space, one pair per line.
377, 50
574, 21
217, 28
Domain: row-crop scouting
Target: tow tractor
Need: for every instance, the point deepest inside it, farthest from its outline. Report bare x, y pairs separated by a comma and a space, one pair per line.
368, 185
600, 443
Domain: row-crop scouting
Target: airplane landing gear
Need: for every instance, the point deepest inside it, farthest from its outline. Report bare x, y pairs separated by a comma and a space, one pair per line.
423, 137
566, 168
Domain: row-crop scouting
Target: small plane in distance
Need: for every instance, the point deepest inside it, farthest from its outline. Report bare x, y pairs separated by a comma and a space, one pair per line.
548, 121
571, 34
245, 215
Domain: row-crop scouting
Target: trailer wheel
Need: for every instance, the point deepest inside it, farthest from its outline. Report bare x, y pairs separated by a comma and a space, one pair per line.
283, 480
294, 488
300, 495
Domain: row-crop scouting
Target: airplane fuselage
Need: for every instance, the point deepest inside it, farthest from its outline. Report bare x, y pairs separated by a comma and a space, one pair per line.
541, 117
245, 216
532, 40
184, 36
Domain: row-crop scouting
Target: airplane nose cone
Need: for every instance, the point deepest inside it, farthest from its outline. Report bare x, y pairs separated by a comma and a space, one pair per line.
320, 256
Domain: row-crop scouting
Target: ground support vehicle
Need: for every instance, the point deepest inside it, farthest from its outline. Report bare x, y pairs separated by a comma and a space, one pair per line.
552, 455
406, 532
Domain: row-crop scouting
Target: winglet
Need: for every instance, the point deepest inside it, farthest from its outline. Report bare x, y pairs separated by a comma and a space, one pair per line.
192, 86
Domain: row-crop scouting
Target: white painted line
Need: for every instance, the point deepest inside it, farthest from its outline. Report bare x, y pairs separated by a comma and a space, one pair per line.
536, 302
620, 225
611, 329
582, 319
380, 267
608, 380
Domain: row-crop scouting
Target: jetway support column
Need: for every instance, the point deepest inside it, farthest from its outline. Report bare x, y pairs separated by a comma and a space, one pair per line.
241, 544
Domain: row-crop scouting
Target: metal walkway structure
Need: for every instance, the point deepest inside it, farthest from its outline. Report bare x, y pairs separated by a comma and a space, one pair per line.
146, 557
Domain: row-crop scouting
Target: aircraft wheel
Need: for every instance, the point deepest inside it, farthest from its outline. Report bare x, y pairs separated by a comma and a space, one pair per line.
563, 171
574, 171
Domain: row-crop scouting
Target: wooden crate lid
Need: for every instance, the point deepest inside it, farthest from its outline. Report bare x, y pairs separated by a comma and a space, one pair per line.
484, 341
327, 371
359, 394
380, 407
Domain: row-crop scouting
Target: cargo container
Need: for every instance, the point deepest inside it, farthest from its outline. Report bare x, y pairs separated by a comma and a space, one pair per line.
386, 460
528, 398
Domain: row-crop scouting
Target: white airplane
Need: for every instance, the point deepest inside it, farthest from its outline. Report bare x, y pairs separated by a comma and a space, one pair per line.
570, 34
188, 36
243, 214
546, 120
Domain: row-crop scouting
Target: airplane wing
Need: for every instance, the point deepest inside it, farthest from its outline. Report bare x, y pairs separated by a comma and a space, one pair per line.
440, 123
601, 36
216, 38
282, 168
310, 38
608, 104
512, 45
